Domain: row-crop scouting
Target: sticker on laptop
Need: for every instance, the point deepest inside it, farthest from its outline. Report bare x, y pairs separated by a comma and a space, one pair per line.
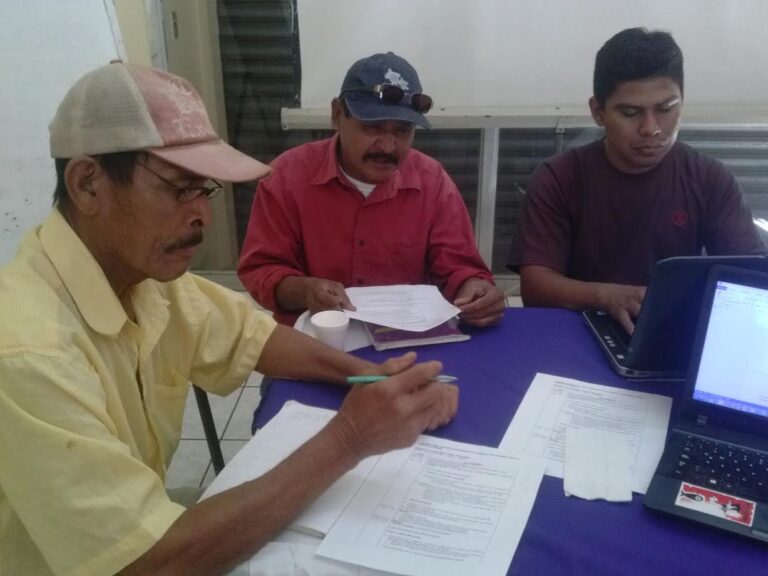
716, 504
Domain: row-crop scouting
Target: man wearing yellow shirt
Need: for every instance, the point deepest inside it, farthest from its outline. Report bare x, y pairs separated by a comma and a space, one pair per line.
102, 329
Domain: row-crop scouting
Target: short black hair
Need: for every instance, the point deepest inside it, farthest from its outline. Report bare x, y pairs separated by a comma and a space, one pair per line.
636, 54
119, 166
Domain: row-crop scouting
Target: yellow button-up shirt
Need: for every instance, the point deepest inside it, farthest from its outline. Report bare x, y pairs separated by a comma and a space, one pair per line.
91, 402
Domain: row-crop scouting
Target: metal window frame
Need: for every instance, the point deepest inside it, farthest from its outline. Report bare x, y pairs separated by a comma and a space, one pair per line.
490, 122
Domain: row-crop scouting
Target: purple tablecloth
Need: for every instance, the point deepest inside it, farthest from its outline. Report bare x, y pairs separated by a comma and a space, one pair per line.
563, 535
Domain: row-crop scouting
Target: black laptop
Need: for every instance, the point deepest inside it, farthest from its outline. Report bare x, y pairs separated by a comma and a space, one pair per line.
714, 468
660, 346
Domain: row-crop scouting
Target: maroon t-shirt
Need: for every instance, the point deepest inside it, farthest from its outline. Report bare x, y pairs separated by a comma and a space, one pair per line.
589, 221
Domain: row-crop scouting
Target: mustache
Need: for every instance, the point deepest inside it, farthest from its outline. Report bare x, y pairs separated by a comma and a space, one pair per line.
192, 240
381, 157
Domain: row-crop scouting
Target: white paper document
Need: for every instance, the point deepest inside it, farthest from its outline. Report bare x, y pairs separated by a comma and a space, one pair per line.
405, 307
282, 559
554, 404
439, 507
293, 554
289, 429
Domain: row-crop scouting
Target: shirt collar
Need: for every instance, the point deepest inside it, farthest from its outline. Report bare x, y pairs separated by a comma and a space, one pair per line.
331, 169
84, 279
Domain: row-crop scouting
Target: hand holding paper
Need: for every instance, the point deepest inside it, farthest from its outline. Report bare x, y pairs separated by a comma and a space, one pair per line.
481, 303
326, 295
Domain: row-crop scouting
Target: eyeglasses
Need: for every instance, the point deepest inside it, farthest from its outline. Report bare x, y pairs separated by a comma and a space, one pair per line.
187, 193
393, 94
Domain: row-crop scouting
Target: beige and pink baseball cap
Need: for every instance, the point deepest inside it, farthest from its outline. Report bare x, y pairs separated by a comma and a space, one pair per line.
125, 107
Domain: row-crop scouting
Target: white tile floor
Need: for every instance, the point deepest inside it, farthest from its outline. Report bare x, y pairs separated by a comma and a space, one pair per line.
191, 465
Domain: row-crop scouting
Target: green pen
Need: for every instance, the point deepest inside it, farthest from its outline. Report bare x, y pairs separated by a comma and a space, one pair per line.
372, 379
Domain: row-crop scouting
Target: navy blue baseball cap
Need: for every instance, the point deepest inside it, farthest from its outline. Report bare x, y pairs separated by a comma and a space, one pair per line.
359, 90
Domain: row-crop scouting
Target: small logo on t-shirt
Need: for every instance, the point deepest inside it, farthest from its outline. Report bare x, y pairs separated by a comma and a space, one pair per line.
679, 217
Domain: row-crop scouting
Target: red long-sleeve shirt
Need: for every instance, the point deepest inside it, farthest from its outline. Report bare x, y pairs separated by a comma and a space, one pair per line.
309, 220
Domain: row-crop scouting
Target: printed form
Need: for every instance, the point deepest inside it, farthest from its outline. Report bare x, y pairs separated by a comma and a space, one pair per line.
440, 507
553, 404
416, 307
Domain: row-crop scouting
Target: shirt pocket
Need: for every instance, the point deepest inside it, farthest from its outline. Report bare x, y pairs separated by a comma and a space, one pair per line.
167, 406
409, 261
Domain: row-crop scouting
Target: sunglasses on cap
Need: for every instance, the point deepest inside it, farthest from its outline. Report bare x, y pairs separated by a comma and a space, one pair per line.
392, 94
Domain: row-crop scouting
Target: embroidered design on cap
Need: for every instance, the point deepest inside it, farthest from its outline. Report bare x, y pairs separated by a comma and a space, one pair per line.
396, 79
192, 122
177, 110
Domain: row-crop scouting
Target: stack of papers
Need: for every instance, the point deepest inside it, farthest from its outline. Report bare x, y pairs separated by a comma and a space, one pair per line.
443, 507
438, 507
633, 424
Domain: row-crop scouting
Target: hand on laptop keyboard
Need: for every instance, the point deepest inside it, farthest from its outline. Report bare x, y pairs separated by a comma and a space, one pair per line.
621, 302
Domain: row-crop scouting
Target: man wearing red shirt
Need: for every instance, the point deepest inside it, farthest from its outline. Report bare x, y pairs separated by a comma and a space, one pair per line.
364, 209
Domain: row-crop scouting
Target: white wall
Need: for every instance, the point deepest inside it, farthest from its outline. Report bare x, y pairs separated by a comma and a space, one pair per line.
45, 45
496, 53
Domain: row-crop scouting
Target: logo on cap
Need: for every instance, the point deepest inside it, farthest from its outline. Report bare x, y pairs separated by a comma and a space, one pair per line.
192, 119
396, 79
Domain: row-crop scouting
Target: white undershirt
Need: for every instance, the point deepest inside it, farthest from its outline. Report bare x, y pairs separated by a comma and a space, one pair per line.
364, 187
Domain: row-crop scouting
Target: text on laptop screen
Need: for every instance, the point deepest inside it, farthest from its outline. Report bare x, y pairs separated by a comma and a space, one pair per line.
733, 371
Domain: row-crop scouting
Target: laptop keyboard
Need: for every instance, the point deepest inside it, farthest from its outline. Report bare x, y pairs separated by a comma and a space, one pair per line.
610, 330
720, 466
621, 335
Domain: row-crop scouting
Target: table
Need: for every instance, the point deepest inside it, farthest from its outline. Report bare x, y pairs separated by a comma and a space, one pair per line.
563, 535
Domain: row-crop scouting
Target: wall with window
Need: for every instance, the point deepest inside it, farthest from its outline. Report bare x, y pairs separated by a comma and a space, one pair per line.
261, 59
253, 47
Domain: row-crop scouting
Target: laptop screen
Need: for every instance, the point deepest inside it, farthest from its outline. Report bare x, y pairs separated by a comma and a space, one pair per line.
733, 371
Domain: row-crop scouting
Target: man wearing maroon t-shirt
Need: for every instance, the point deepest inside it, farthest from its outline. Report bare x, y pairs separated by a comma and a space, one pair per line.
597, 218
